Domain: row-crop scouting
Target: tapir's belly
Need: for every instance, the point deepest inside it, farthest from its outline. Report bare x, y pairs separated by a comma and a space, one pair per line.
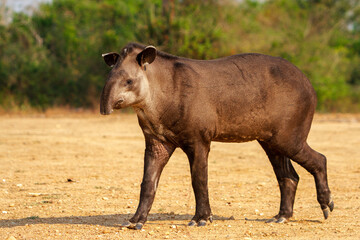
243, 127
241, 135
233, 137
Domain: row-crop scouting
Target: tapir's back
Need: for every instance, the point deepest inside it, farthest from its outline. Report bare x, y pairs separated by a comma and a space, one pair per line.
252, 94
251, 71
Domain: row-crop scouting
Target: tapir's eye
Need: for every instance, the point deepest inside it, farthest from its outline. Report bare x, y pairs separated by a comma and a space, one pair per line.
129, 82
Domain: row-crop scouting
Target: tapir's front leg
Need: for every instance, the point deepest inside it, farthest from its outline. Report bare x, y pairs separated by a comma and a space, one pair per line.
157, 155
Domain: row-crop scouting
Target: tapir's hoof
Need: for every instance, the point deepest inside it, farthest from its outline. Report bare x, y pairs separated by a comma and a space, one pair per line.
136, 226
331, 205
329, 208
326, 213
277, 220
201, 222
192, 223
281, 220
128, 224
139, 226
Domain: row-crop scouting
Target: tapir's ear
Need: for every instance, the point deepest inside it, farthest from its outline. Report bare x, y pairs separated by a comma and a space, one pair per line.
147, 55
110, 58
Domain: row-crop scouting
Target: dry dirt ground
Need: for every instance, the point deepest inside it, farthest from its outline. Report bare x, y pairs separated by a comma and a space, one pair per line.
77, 176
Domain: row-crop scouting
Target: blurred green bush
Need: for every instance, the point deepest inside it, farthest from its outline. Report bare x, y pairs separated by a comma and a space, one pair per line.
53, 58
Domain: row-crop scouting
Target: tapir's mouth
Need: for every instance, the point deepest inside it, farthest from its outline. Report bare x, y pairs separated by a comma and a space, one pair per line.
118, 104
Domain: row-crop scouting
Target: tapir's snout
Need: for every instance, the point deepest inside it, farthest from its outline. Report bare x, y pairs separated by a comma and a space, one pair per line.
105, 109
105, 105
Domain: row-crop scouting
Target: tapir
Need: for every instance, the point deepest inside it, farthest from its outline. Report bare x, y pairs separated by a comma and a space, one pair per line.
186, 103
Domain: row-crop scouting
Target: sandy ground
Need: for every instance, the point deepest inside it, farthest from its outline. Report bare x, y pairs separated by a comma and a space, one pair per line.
78, 176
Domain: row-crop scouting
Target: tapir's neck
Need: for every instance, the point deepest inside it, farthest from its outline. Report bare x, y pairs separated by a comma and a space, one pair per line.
161, 92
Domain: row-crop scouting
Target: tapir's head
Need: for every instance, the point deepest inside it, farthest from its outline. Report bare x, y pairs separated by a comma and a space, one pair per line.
127, 83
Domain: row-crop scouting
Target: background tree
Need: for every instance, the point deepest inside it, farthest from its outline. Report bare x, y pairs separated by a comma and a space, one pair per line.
53, 58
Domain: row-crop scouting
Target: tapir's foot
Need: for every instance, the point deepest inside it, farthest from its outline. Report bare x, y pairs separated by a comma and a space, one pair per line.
326, 203
278, 219
130, 225
136, 222
200, 222
282, 217
328, 208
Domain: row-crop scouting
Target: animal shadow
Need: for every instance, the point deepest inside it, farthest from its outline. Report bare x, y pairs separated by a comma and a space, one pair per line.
114, 220
291, 220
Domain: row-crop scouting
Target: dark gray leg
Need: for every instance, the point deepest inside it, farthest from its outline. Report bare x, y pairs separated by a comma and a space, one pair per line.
315, 163
157, 155
288, 180
198, 159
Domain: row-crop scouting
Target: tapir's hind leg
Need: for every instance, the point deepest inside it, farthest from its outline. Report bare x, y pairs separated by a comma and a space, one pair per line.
198, 159
288, 180
315, 163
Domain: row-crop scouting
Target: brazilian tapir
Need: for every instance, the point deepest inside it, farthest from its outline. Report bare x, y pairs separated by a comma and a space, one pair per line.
185, 103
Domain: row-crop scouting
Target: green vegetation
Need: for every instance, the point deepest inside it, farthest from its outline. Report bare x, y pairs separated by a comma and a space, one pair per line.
53, 58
